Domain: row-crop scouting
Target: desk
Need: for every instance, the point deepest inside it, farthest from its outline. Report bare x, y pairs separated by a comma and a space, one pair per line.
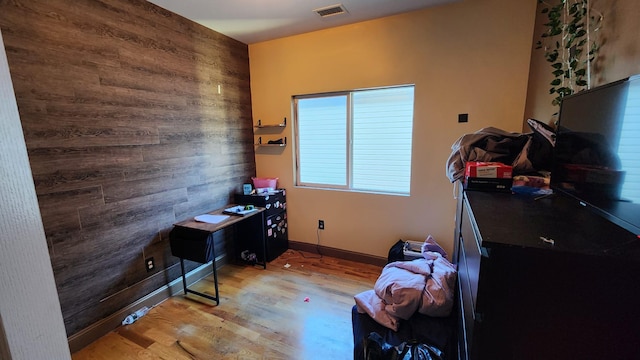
193, 240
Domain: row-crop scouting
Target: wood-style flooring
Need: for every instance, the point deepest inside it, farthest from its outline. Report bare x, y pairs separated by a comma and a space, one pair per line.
301, 311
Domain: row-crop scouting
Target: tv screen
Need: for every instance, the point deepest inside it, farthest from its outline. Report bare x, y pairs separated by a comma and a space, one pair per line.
597, 151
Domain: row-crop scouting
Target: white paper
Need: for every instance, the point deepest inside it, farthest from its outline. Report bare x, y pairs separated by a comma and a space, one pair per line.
211, 219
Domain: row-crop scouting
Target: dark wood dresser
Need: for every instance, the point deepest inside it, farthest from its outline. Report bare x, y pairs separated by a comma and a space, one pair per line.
544, 279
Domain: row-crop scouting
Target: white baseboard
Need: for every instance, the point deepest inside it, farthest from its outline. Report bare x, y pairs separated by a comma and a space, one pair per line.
100, 328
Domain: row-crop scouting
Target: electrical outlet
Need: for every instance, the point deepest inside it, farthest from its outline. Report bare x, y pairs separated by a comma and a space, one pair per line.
321, 224
150, 264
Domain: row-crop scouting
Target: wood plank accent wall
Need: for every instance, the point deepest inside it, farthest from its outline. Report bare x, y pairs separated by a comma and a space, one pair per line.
126, 135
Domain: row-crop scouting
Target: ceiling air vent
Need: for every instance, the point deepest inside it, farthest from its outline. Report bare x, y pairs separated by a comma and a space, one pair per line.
331, 10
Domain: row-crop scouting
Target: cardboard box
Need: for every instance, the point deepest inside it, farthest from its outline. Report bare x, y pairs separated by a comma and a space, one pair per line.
493, 170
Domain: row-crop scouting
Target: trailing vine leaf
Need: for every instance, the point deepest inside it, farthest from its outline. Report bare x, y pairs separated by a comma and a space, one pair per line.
568, 36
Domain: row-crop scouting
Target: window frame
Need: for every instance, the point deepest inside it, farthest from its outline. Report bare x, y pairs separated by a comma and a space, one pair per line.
349, 143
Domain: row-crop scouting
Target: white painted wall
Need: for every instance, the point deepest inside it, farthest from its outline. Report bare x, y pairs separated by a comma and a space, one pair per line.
619, 55
31, 325
467, 57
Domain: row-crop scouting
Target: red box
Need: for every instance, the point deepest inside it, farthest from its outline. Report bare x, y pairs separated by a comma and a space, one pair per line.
493, 170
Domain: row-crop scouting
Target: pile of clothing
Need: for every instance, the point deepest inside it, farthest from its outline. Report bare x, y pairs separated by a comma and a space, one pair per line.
527, 153
425, 285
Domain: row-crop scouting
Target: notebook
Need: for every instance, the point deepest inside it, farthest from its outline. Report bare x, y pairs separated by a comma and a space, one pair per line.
211, 219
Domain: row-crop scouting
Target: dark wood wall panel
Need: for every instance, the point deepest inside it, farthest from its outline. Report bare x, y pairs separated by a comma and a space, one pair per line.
126, 135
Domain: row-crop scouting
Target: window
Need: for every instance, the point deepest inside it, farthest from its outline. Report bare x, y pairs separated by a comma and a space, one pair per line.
355, 140
629, 146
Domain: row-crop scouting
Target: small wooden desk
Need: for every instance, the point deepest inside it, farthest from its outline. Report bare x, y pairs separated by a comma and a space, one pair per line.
193, 240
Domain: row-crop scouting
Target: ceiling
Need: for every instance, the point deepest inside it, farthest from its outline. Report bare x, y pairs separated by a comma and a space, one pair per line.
251, 21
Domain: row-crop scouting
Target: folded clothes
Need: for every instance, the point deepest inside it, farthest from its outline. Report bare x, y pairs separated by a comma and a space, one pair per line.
425, 285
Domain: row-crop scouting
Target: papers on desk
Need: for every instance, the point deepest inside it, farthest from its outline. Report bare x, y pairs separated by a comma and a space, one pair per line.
238, 210
211, 219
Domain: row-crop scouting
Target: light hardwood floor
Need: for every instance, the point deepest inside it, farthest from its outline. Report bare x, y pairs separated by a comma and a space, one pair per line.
262, 315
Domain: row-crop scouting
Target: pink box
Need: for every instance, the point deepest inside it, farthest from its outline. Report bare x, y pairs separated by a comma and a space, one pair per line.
262, 183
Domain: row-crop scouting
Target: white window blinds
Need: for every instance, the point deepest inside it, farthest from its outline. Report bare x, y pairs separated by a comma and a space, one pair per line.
322, 140
359, 140
629, 146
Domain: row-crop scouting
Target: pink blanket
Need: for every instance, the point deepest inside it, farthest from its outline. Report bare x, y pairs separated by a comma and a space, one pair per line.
425, 285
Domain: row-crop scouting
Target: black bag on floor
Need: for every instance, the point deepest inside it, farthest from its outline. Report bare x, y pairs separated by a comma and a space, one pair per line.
375, 348
396, 252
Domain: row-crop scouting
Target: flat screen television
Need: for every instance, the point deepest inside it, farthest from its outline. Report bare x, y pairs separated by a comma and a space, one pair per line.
597, 152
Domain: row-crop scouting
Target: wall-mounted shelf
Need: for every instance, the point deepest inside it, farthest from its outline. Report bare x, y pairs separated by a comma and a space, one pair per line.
272, 131
281, 125
277, 143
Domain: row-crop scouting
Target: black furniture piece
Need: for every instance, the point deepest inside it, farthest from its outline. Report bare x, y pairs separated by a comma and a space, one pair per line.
439, 332
193, 240
544, 278
274, 227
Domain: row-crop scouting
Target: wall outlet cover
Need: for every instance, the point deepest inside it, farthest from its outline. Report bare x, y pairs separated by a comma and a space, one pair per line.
150, 264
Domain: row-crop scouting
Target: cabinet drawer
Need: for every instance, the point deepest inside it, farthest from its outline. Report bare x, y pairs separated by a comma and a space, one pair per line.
276, 235
471, 247
276, 225
466, 299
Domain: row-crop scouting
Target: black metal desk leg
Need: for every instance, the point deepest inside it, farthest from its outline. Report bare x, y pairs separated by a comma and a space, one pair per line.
184, 279
215, 272
215, 281
264, 240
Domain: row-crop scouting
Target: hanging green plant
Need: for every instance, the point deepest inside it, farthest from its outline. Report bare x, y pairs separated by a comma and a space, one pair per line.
569, 45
